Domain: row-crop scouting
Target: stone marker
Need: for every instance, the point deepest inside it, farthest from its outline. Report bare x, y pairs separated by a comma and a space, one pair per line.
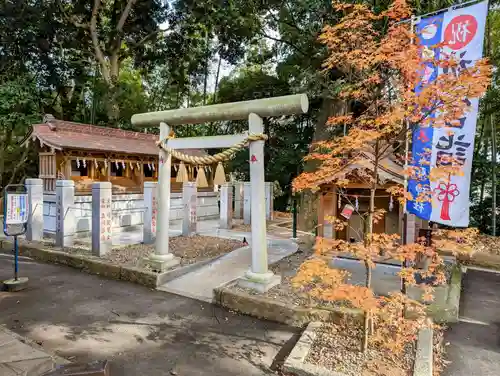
247, 200
65, 213
226, 206
189, 201
151, 204
35, 204
102, 223
238, 200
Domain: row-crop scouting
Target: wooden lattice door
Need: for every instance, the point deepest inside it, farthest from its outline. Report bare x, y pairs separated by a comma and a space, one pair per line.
48, 171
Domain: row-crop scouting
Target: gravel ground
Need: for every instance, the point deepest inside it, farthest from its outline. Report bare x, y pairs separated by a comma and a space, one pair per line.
284, 292
189, 249
337, 348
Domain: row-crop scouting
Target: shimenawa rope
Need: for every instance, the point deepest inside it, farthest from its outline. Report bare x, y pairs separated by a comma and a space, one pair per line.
211, 159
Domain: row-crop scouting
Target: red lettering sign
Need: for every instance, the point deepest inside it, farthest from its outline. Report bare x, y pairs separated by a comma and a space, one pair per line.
460, 31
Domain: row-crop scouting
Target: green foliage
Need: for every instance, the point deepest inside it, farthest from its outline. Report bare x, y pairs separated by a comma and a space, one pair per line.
19, 108
289, 137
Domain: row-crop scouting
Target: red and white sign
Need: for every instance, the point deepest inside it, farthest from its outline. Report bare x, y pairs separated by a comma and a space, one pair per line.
347, 211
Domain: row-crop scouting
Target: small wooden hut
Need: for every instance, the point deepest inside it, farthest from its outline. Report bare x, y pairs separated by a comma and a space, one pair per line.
87, 153
335, 200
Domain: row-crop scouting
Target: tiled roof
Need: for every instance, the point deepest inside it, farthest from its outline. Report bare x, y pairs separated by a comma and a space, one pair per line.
69, 135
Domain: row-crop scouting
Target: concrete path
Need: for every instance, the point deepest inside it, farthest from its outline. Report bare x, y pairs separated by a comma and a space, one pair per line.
20, 359
199, 284
141, 331
474, 342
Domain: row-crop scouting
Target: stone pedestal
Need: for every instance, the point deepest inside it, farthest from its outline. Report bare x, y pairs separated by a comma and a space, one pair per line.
238, 200
247, 201
13, 285
102, 223
151, 204
269, 201
35, 206
259, 277
189, 201
260, 282
65, 213
226, 206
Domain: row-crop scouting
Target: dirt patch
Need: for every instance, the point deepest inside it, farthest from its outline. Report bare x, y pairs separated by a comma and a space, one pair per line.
337, 347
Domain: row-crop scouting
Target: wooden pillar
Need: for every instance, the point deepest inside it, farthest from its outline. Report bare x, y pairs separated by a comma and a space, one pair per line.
334, 209
67, 168
321, 214
108, 169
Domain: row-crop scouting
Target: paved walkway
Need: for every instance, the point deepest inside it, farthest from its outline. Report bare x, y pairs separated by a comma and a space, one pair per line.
20, 359
141, 331
200, 283
475, 341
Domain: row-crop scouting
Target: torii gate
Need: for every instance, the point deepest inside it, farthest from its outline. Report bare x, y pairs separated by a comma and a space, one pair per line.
258, 276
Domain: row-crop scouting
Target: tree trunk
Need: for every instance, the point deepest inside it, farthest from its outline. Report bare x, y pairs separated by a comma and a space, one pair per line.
307, 205
368, 322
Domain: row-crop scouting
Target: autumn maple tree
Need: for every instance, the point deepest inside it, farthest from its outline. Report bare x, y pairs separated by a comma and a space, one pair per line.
382, 66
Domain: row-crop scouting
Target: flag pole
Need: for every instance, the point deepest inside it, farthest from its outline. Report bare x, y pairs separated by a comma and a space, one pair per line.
407, 151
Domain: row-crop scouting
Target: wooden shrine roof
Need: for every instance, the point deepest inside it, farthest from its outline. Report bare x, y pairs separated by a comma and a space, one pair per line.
59, 135
388, 169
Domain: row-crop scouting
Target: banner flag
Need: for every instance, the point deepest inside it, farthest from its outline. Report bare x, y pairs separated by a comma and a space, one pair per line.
462, 31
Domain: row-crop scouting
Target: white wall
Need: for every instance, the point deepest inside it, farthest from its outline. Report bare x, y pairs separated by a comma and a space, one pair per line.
127, 211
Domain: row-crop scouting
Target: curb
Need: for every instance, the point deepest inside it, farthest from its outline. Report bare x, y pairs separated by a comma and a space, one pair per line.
101, 267
424, 353
56, 358
268, 309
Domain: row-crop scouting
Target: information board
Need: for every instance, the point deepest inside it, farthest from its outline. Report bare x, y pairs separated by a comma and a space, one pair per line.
16, 211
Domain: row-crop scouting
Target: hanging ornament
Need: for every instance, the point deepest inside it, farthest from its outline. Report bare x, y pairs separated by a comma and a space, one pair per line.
391, 204
201, 179
149, 166
356, 204
153, 166
106, 163
84, 163
123, 165
220, 176
95, 163
117, 165
131, 166
138, 165
77, 163
182, 174
340, 202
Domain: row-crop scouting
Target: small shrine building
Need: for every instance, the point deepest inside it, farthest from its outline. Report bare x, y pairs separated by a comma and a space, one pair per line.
350, 203
87, 153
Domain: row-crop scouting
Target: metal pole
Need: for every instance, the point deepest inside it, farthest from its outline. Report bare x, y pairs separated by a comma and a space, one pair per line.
407, 150
294, 213
16, 261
